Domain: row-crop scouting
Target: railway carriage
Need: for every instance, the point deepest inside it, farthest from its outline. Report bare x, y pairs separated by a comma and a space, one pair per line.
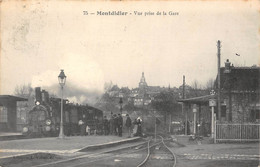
44, 118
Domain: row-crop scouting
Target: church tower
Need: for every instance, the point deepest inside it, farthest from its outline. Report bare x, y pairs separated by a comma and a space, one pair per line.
142, 85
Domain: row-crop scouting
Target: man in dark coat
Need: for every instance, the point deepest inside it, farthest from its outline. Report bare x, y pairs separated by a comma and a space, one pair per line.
111, 124
105, 125
120, 125
115, 124
128, 124
82, 128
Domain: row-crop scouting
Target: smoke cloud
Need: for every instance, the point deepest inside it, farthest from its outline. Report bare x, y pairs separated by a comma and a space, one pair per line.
84, 83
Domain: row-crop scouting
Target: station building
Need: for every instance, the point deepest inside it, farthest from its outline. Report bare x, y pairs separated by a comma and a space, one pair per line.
240, 99
8, 112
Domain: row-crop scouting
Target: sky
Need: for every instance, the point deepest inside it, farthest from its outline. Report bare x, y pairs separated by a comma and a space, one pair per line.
38, 38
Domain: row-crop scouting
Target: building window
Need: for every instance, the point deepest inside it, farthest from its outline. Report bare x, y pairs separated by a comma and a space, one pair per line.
67, 120
74, 116
223, 111
253, 97
257, 112
254, 115
3, 114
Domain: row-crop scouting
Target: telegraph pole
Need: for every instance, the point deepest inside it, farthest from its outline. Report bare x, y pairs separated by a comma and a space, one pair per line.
155, 128
183, 97
219, 96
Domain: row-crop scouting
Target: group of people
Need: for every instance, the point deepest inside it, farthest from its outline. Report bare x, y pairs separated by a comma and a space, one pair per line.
114, 126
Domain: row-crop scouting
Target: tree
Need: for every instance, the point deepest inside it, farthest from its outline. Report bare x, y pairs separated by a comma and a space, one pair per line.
108, 103
210, 84
165, 103
195, 85
130, 107
25, 91
23, 107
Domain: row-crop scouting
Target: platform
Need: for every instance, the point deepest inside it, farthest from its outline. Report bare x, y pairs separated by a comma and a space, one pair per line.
10, 136
68, 145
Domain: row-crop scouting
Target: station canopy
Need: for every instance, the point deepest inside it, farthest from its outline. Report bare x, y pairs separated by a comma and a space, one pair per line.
11, 98
203, 100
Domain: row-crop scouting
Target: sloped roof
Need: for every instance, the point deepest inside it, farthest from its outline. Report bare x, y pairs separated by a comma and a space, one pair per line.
12, 98
198, 100
240, 79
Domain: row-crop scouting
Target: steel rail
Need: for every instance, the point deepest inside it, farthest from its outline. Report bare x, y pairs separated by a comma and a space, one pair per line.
100, 153
107, 157
147, 156
148, 152
174, 156
111, 156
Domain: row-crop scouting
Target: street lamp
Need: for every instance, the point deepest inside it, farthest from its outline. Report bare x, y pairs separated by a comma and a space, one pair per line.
121, 102
62, 80
195, 117
212, 104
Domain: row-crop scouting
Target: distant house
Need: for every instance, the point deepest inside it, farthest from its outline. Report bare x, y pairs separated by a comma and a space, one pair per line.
124, 92
153, 91
144, 94
134, 92
142, 100
240, 89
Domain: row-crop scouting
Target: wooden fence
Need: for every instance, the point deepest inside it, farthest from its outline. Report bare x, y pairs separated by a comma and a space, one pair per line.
237, 132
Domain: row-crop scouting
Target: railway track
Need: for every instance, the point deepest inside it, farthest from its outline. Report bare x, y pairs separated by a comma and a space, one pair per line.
90, 158
159, 154
137, 154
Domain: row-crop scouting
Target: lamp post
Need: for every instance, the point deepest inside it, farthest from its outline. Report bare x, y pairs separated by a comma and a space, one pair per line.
219, 92
212, 104
62, 80
195, 118
121, 102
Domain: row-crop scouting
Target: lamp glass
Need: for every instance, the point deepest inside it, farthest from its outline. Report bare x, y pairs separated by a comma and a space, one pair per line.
62, 78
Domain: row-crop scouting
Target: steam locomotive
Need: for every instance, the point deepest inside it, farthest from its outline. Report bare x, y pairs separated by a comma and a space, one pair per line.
44, 117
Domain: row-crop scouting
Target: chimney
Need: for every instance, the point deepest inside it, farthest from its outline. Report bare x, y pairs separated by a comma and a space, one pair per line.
43, 96
227, 67
38, 95
46, 95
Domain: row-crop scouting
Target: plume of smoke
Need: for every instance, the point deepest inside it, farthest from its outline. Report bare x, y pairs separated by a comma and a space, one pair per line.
85, 79
75, 94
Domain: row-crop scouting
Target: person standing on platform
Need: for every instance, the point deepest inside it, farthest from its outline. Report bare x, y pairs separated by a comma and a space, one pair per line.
81, 128
139, 127
105, 125
120, 125
115, 124
87, 130
188, 128
111, 124
128, 124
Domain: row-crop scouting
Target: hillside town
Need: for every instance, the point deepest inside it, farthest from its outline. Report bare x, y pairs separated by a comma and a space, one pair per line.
129, 83
239, 101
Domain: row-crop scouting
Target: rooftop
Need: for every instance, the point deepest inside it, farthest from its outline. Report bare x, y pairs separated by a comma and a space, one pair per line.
12, 98
198, 100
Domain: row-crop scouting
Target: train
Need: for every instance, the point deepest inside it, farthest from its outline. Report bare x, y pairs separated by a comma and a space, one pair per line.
44, 118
